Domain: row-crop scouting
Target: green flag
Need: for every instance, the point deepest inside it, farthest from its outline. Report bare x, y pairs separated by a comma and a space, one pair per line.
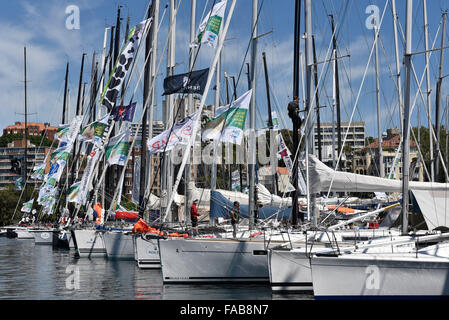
118, 148
26, 207
229, 124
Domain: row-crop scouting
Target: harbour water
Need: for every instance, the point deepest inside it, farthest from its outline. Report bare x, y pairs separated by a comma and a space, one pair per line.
39, 272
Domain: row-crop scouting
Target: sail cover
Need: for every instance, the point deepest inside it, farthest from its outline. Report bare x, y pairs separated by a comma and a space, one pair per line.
220, 207
432, 197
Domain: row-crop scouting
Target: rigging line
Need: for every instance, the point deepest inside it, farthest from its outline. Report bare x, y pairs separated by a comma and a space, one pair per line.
241, 69
179, 106
28, 177
422, 98
202, 102
106, 139
358, 95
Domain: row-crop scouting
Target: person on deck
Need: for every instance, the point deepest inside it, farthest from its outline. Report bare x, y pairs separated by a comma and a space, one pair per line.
194, 215
235, 218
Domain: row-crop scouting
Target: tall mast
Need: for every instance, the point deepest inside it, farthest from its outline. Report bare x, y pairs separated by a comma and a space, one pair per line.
334, 101
78, 106
270, 118
111, 51
64, 103
426, 43
234, 86
144, 147
317, 97
26, 124
309, 96
296, 45
103, 66
406, 133
252, 118
438, 100
398, 64
213, 183
190, 109
168, 167
337, 87
379, 127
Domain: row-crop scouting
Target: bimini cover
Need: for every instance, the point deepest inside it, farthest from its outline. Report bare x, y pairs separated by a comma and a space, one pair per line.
434, 205
220, 207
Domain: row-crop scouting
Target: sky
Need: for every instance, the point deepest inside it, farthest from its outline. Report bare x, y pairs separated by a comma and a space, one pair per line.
40, 26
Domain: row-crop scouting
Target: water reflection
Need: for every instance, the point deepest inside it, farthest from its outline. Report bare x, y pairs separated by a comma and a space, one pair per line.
29, 271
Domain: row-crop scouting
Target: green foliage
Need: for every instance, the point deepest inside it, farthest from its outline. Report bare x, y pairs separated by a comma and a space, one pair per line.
36, 140
8, 203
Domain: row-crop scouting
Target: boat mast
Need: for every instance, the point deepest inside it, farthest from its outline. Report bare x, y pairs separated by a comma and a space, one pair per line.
78, 106
252, 118
426, 43
398, 65
240, 165
309, 102
270, 120
190, 109
155, 31
337, 88
26, 124
379, 127
203, 98
168, 166
103, 67
64, 104
317, 98
438, 100
144, 147
296, 56
406, 125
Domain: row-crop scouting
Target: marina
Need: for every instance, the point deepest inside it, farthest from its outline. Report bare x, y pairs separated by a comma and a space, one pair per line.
218, 150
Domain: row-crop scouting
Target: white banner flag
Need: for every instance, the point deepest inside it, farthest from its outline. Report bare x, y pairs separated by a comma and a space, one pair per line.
179, 134
229, 124
209, 29
88, 174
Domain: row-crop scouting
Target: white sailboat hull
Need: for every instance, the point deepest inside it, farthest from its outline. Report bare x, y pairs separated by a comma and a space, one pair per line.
89, 243
23, 233
147, 253
118, 245
382, 275
290, 269
43, 236
213, 260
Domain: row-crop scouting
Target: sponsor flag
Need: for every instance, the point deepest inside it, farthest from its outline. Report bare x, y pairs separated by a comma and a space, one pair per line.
122, 65
94, 132
88, 174
179, 134
38, 171
73, 194
18, 184
56, 170
209, 29
228, 126
124, 113
274, 118
190, 82
67, 132
117, 149
27, 206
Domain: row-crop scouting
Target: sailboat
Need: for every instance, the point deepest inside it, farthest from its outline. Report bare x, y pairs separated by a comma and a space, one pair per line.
419, 272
